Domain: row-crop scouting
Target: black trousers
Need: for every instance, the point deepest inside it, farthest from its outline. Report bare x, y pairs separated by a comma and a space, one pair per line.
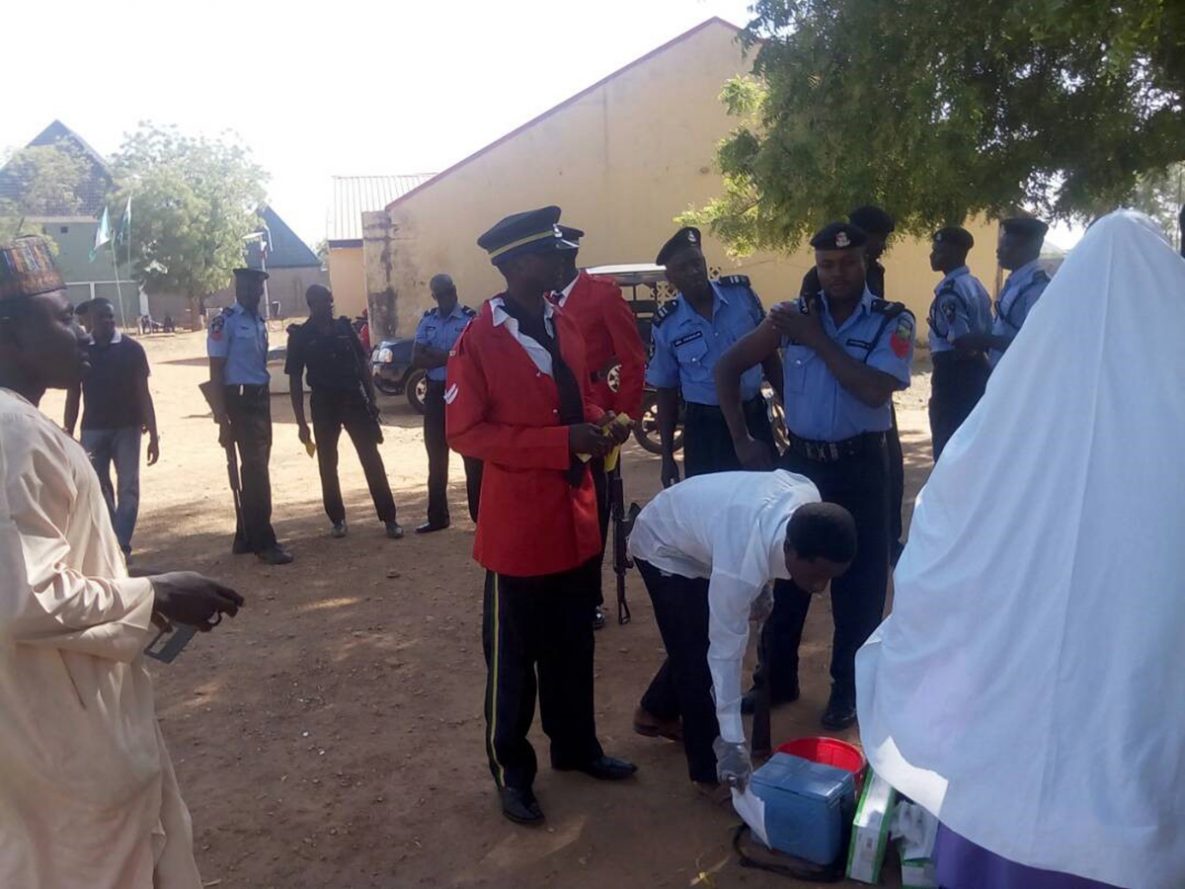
682, 687
436, 443
249, 414
957, 385
334, 411
538, 637
860, 485
707, 443
896, 479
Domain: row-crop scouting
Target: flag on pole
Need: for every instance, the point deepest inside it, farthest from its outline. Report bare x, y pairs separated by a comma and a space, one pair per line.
102, 235
124, 233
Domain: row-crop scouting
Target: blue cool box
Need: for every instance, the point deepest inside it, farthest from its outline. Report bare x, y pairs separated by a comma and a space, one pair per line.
806, 805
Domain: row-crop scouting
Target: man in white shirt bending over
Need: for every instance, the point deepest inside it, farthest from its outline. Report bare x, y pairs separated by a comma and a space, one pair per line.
707, 548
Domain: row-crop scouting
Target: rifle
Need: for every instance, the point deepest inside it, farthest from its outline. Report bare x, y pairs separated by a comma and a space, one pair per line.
761, 746
232, 459
623, 523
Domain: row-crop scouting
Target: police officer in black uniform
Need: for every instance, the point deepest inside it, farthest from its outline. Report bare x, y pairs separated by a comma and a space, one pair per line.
343, 398
236, 343
689, 334
436, 333
846, 352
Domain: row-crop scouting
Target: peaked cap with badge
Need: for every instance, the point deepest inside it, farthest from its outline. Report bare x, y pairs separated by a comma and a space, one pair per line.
839, 236
27, 268
686, 237
956, 236
572, 235
1026, 227
251, 274
534, 231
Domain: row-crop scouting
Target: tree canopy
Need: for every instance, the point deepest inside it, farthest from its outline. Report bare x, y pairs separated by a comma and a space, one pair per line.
941, 112
193, 202
45, 181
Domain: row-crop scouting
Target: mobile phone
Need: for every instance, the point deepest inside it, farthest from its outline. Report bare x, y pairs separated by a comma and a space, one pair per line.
169, 642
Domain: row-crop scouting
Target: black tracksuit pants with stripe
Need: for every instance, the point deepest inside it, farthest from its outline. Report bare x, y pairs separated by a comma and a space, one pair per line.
538, 638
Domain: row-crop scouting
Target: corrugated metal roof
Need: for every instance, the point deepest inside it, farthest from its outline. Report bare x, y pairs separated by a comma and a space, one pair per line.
355, 195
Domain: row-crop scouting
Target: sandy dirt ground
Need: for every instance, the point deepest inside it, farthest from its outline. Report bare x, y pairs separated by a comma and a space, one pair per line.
332, 734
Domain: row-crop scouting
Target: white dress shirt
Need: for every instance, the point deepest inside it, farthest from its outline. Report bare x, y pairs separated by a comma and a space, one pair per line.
729, 527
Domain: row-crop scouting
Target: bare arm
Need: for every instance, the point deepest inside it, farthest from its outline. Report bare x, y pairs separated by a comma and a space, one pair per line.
426, 357
772, 368
873, 387
668, 419
73, 398
296, 393
756, 347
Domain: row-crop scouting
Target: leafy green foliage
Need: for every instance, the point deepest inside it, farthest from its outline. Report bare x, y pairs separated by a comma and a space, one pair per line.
50, 179
941, 112
193, 202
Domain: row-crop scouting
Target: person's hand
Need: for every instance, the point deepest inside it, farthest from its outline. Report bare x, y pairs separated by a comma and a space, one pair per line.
763, 606
754, 455
669, 474
618, 428
153, 450
801, 327
186, 597
588, 438
733, 765
225, 438
302, 432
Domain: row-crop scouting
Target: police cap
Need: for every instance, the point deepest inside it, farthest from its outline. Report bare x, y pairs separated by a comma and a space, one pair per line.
251, 274
571, 234
535, 231
1027, 227
686, 237
955, 236
839, 236
872, 219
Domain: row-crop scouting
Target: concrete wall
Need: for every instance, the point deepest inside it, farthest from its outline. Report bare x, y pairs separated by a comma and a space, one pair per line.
622, 161
287, 286
347, 280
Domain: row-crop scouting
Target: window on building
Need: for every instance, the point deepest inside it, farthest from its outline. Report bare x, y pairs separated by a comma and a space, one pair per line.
65, 229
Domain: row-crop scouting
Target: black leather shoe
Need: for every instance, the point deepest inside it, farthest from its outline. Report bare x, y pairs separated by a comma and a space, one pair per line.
520, 806
606, 768
394, 530
275, 555
429, 527
240, 547
749, 701
839, 715
599, 618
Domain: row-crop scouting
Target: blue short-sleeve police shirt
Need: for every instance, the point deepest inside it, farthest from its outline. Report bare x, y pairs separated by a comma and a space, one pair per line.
817, 407
685, 345
1020, 293
241, 338
441, 333
961, 306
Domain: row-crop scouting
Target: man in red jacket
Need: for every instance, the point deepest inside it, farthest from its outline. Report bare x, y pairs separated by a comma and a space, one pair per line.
517, 397
615, 355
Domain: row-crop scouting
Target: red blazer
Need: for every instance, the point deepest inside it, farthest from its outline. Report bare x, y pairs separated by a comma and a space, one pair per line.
610, 337
500, 408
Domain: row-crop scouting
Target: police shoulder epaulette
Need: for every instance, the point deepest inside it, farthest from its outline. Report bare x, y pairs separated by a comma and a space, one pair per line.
228, 310
890, 309
1040, 276
294, 328
665, 311
428, 312
734, 281
465, 310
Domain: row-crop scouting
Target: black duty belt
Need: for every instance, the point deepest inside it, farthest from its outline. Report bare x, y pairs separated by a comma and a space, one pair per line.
247, 389
436, 384
956, 357
836, 451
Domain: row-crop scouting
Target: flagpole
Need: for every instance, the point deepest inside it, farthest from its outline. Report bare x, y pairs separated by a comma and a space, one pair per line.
123, 321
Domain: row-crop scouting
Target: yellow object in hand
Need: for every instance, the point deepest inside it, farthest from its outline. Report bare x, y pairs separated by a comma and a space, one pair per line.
611, 457
311, 447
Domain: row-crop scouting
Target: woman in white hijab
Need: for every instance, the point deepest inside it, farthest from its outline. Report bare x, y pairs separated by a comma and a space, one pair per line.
1027, 688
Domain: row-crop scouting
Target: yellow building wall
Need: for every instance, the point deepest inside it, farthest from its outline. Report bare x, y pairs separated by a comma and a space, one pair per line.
622, 161
347, 280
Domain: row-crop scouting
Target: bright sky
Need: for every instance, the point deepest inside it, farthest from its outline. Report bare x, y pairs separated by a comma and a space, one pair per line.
338, 88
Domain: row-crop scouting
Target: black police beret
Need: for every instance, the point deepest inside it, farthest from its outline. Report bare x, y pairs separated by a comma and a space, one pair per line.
251, 273
535, 231
1025, 227
872, 219
956, 236
683, 238
839, 236
571, 234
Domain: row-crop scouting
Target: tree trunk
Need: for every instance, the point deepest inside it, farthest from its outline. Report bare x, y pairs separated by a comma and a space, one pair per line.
195, 301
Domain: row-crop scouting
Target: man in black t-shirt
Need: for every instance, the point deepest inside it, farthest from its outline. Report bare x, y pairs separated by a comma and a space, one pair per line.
116, 409
342, 398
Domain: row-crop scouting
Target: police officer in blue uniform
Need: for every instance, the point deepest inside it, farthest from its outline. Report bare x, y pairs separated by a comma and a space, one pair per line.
689, 334
845, 353
236, 343
435, 335
1019, 252
960, 312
